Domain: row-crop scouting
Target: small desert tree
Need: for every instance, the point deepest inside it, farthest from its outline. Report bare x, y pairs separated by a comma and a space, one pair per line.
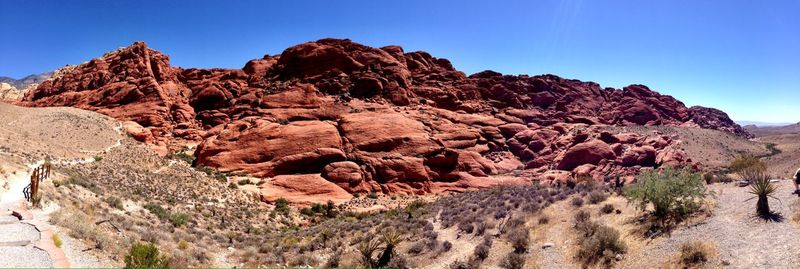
673, 193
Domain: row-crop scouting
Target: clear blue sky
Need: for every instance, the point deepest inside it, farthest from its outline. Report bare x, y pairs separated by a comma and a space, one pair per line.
741, 56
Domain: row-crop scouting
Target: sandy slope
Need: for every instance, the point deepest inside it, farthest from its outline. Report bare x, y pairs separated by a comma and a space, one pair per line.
59, 133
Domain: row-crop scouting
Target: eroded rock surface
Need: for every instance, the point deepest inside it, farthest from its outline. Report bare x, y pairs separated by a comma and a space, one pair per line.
337, 117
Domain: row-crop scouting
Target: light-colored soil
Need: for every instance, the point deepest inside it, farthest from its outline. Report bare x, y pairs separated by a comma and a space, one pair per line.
58, 133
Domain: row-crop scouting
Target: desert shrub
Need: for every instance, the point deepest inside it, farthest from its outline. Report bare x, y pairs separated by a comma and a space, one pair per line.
446, 246
417, 248
466, 227
519, 239
544, 219
582, 216
36, 200
232, 186
482, 250
469, 264
303, 260
334, 259
694, 253
598, 244
178, 219
673, 193
157, 210
79, 181
773, 150
480, 228
372, 195
145, 256
114, 202
414, 206
57, 240
577, 202
282, 206
596, 197
607, 209
399, 262
513, 261
82, 226
747, 164
307, 211
181, 156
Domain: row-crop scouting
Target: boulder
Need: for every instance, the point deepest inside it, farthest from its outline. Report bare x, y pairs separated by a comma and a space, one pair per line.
589, 152
303, 190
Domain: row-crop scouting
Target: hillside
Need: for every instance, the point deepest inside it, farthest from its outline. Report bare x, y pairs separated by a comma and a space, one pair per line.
761, 131
376, 119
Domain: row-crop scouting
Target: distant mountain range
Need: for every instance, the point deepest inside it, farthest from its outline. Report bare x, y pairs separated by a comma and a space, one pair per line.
759, 131
762, 123
23, 83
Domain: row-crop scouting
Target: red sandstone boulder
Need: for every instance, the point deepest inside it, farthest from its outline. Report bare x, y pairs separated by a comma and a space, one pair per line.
643, 156
590, 152
302, 189
264, 148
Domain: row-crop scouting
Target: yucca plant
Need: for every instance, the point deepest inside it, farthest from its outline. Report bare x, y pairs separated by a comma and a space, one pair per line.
763, 189
367, 248
391, 238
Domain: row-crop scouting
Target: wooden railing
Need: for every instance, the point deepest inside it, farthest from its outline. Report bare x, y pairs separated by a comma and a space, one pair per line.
38, 175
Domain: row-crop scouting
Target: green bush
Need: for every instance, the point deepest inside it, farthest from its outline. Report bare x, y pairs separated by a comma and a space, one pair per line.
282, 206
145, 256
157, 210
178, 219
673, 193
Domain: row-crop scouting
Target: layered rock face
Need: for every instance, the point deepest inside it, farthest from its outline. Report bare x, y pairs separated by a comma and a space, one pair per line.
378, 119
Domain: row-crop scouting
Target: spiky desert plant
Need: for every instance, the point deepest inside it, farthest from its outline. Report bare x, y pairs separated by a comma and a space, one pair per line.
366, 248
762, 189
391, 238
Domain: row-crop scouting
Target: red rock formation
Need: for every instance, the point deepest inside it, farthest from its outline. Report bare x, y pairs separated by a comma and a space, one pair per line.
352, 118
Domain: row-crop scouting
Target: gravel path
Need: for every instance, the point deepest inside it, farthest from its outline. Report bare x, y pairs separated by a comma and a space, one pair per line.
18, 234
742, 240
24, 257
16, 244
